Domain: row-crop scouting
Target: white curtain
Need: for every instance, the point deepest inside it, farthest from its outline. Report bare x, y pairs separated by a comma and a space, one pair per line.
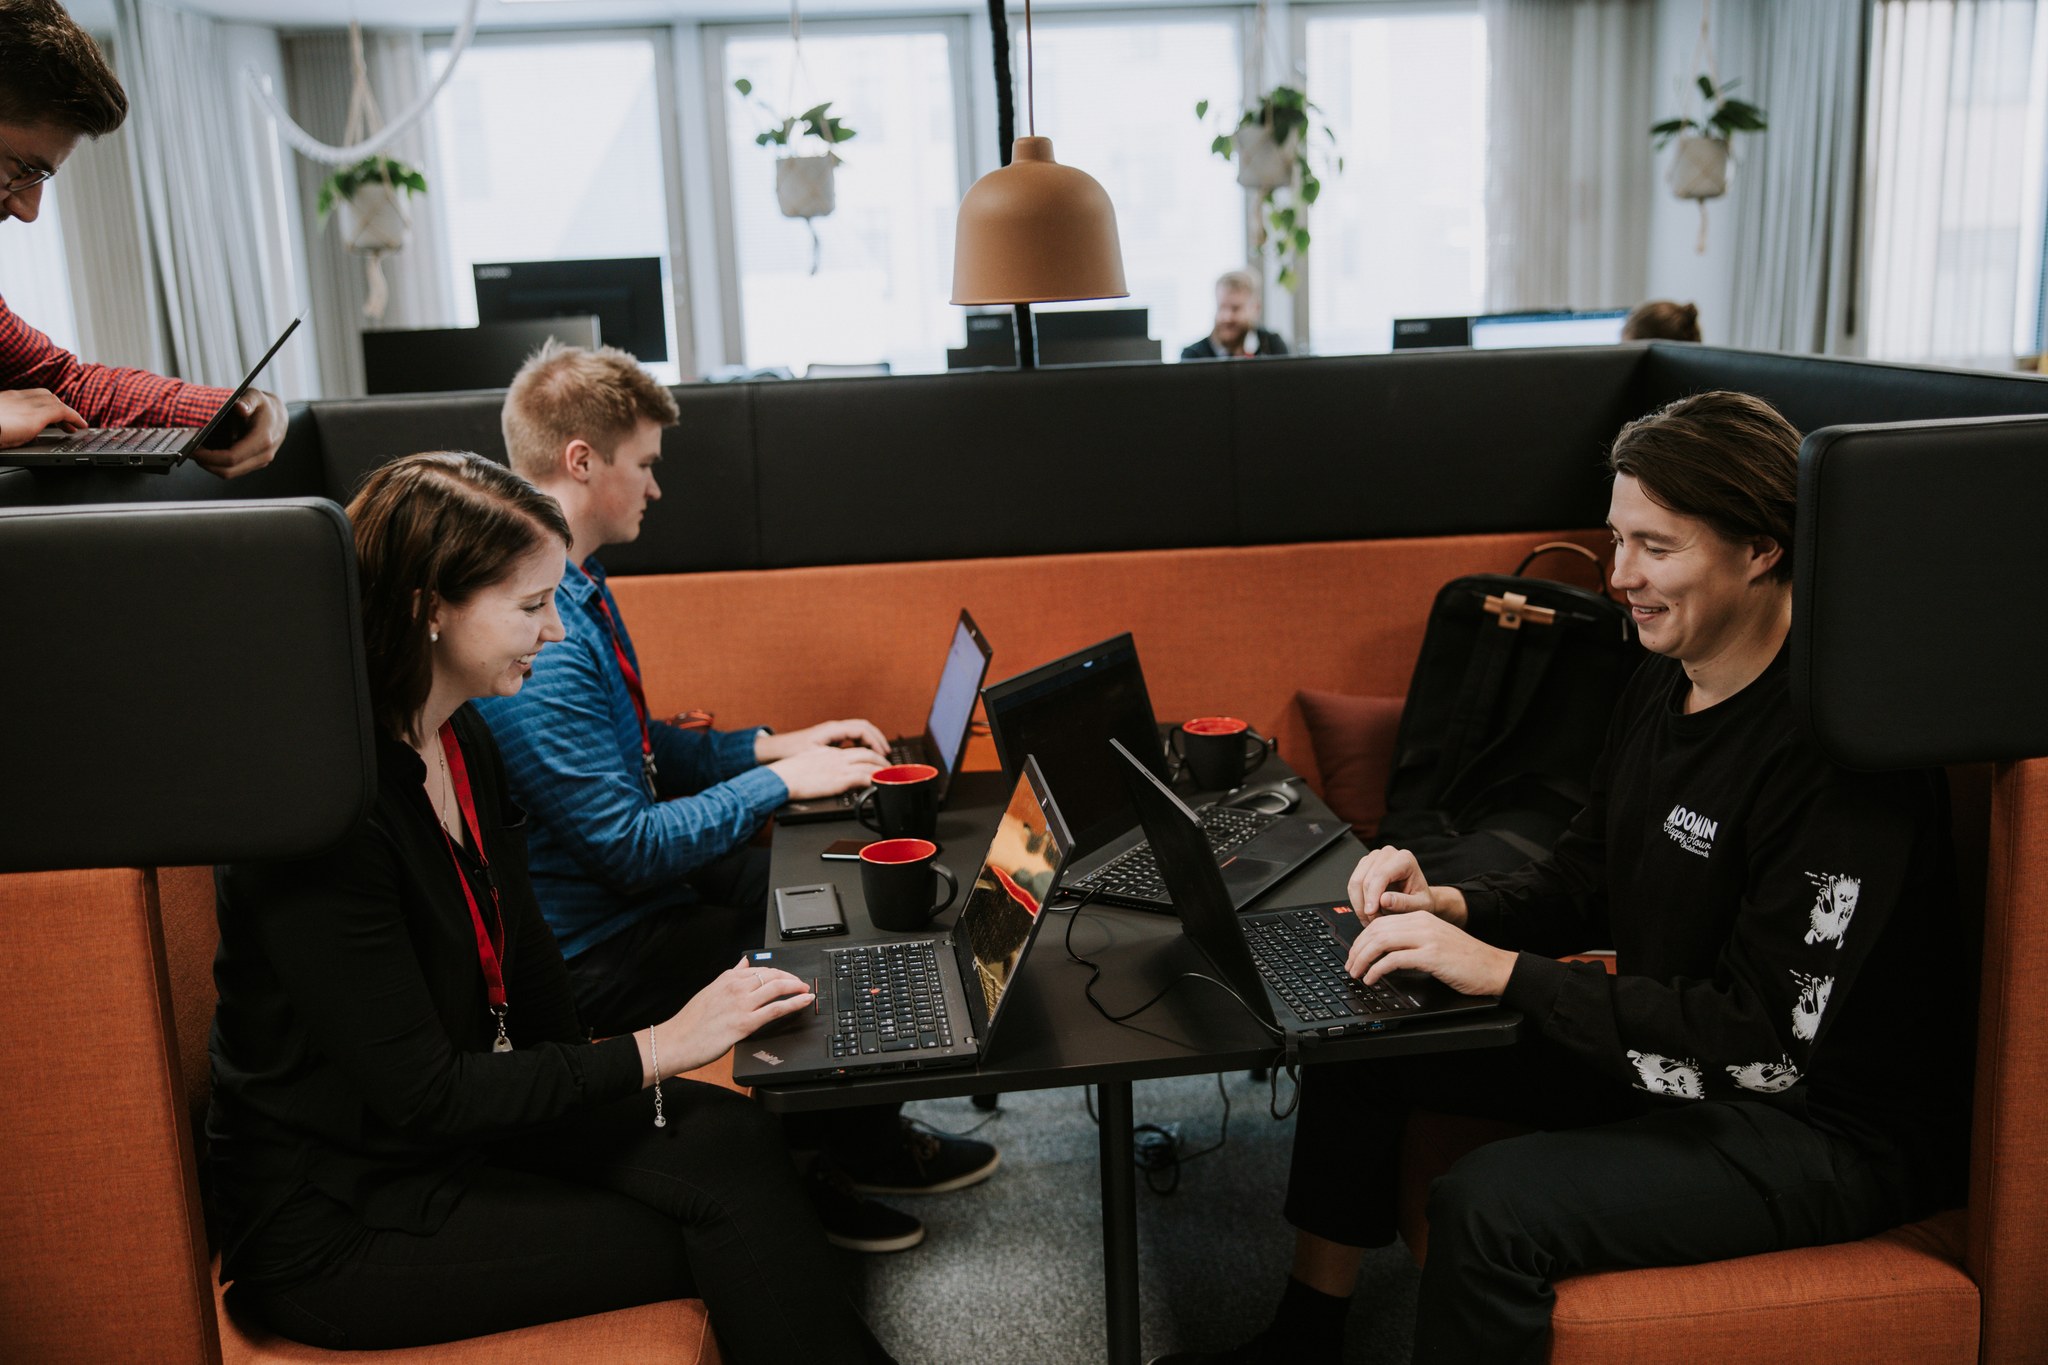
1793, 188
320, 78
1568, 155
1956, 105
200, 201
113, 290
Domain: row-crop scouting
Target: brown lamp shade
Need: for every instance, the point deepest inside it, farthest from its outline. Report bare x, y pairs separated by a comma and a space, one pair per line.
1036, 232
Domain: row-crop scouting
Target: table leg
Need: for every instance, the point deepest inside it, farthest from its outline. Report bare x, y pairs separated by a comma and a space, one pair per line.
1119, 1223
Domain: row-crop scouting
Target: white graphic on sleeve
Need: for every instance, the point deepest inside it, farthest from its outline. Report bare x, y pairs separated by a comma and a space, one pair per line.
1663, 1075
1766, 1077
1834, 902
1813, 998
1692, 831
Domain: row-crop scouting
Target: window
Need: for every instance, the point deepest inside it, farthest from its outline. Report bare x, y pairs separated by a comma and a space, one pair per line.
1117, 97
1402, 231
1956, 103
551, 149
32, 273
875, 285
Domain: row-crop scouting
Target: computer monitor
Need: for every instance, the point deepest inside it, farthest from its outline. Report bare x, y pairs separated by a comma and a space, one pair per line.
1414, 334
1500, 331
1091, 324
625, 293
446, 359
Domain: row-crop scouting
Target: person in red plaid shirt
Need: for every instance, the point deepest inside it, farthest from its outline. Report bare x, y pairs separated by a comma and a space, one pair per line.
55, 88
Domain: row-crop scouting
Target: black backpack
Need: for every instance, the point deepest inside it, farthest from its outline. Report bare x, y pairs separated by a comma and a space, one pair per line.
1505, 717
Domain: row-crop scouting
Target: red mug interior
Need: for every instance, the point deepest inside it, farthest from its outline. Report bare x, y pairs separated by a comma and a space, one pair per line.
903, 774
899, 851
1216, 725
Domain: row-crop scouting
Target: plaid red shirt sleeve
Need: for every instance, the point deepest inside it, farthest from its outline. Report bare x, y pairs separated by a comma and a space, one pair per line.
104, 395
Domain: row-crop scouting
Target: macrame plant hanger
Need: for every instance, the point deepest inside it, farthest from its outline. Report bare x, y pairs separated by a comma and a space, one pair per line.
1703, 60
796, 71
371, 239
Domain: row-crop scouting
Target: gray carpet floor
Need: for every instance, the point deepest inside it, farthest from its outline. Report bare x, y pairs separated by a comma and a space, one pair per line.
1011, 1271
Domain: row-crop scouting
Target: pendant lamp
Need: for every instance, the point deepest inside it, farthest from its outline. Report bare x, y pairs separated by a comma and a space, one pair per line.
1035, 231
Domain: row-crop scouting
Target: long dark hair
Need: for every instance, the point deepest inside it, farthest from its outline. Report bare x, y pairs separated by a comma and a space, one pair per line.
1729, 459
443, 524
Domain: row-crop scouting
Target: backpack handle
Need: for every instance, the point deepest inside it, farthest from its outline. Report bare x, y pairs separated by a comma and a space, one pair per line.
1550, 545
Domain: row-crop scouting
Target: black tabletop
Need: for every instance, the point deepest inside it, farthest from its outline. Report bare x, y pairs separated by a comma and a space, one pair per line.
1049, 1034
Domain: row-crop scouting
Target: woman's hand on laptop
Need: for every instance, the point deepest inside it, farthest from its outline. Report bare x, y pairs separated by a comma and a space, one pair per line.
813, 773
263, 425
737, 1003
1389, 881
24, 413
1426, 943
861, 733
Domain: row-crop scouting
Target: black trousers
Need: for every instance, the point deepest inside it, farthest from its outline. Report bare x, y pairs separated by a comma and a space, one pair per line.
599, 1212
645, 974
1616, 1179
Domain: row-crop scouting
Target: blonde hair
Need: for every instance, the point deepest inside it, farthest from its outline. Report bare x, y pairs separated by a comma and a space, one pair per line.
1236, 280
565, 393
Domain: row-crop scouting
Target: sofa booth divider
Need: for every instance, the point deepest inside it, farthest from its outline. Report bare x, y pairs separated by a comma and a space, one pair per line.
1271, 528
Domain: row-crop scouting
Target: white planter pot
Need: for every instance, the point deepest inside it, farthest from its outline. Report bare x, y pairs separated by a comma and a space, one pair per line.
1262, 163
803, 185
1700, 169
373, 219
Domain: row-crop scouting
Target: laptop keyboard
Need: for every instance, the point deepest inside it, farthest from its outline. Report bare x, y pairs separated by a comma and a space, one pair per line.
122, 440
1135, 872
887, 997
1301, 959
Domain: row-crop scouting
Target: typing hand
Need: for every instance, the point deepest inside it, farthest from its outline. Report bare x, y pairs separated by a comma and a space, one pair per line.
25, 412
812, 773
1388, 881
737, 1003
262, 424
859, 733
1429, 944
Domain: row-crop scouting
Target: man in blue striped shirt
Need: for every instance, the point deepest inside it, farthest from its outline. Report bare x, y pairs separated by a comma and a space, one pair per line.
640, 830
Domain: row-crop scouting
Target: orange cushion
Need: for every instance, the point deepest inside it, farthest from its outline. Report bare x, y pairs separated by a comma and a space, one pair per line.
1353, 740
674, 1333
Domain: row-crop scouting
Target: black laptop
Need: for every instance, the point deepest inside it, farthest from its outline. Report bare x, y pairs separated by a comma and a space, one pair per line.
1287, 962
905, 1004
1065, 713
944, 741
157, 450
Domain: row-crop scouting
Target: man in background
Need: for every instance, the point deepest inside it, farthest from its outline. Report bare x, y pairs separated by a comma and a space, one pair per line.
55, 88
1237, 331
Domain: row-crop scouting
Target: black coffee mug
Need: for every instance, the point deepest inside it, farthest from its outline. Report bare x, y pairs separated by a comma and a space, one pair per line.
896, 879
903, 803
1219, 750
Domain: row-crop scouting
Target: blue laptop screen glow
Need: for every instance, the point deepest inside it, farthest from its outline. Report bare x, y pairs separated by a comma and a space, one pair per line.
959, 685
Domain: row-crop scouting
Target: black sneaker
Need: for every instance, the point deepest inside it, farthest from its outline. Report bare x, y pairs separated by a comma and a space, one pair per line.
922, 1161
854, 1223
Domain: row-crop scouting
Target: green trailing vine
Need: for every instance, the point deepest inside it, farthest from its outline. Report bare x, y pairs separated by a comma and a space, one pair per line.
371, 170
1294, 122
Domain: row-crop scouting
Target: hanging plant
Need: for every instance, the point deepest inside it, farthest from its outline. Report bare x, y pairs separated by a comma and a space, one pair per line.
369, 196
1276, 145
1700, 170
804, 185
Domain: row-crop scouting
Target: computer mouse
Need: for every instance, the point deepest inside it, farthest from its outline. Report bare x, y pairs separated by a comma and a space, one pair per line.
1269, 798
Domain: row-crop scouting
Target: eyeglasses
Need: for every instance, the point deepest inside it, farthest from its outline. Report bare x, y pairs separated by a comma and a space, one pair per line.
27, 177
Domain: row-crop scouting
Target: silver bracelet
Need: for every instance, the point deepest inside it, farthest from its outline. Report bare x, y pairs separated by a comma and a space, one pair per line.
654, 1059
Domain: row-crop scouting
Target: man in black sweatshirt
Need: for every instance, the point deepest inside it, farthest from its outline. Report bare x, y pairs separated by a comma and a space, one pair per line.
1781, 1055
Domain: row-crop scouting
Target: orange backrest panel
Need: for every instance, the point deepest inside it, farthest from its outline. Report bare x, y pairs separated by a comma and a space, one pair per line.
98, 1195
1234, 630
2008, 1248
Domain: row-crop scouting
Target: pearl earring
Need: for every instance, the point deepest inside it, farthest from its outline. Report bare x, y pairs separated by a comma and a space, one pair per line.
434, 637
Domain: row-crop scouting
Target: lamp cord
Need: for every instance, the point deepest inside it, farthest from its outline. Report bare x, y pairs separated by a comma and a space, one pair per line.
1030, 77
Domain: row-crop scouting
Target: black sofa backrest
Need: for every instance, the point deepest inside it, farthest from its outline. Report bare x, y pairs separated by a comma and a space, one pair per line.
183, 684
1118, 457
1918, 562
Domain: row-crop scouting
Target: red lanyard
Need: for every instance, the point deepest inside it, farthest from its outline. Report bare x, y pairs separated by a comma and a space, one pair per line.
489, 947
632, 675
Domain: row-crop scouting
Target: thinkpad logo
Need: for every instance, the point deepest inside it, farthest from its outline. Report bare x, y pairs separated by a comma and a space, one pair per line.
1692, 831
764, 1055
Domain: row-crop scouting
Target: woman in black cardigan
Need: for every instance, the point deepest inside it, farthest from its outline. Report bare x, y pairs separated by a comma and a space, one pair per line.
411, 1139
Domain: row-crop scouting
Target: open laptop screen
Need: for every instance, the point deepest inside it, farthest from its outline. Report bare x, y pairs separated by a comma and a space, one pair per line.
996, 924
959, 684
1065, 713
